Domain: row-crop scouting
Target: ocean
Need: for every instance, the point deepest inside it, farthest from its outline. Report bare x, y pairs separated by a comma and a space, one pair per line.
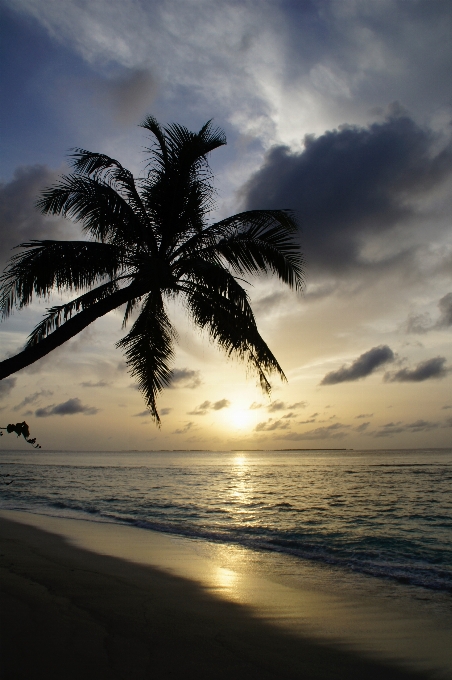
383, 514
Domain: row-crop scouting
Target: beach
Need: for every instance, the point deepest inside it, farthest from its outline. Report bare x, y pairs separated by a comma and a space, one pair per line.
88, 600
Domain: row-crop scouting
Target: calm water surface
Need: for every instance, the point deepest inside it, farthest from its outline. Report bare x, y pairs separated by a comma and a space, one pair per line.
387, 514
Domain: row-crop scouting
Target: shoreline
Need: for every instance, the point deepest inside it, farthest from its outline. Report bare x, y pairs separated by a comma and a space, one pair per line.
193, 610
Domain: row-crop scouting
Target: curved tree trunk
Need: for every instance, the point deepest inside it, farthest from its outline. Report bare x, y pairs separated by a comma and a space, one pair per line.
70, 328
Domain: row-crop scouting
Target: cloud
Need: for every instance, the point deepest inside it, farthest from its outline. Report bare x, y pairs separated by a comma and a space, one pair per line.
99, 383
282, 406
362, 428
68, 408
445, 308
222, 403
32, 398
184, 429
20, 221
201, 410
130, 93
334, 431
363, 366
165, 411
6, 385
390, 429
270, 425
270, 302
255, 405
364, 415
426, 370
206, 406
184, 377
350, 186
422, 323
419, 323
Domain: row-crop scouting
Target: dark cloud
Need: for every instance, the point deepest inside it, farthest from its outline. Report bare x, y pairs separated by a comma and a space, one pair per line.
364, 415
20, 221
33, 398
67, 408
147, 414
6, 385
282, 406
201, 410
129, 94
445, 308
184, 429
206, 406
276, 406
362, 428
222, 403
335, 431
419, 323
270, 425
99, 383
390, 429
422, 425
425, 370
184, 377
422, 323
363, 366
350, 184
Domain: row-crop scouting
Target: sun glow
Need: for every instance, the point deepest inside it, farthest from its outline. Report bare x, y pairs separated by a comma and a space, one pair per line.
240, 419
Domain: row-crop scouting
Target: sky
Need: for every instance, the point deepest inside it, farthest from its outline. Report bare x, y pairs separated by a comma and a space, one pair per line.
338, 109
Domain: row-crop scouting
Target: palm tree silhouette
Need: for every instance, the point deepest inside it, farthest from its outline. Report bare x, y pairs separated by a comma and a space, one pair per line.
150, 241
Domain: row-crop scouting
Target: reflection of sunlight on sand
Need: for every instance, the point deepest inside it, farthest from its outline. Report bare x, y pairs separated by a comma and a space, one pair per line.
225, 578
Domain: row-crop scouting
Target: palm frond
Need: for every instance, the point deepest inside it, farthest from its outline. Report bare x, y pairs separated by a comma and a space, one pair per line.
130, 307
109, 171
61, 313
234, 329
212, 276
149, 350
252, 242
60, 265
159, 153
178, 191
104, 213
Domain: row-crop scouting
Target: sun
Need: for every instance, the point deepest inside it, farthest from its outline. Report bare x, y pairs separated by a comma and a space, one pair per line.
240, 419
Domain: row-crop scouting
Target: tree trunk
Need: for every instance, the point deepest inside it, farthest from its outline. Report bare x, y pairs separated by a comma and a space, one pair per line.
70, 328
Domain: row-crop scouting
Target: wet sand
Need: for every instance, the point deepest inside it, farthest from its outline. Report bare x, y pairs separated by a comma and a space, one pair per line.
85, 600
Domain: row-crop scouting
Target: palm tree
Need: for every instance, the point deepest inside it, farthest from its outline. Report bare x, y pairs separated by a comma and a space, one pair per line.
150, 241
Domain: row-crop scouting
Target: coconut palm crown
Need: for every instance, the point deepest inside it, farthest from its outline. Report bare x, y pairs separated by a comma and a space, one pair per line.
150, 240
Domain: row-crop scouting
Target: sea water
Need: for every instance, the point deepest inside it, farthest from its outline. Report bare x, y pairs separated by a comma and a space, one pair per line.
384, 514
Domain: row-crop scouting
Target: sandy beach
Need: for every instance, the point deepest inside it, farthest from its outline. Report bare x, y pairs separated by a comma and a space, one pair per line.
71, 612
